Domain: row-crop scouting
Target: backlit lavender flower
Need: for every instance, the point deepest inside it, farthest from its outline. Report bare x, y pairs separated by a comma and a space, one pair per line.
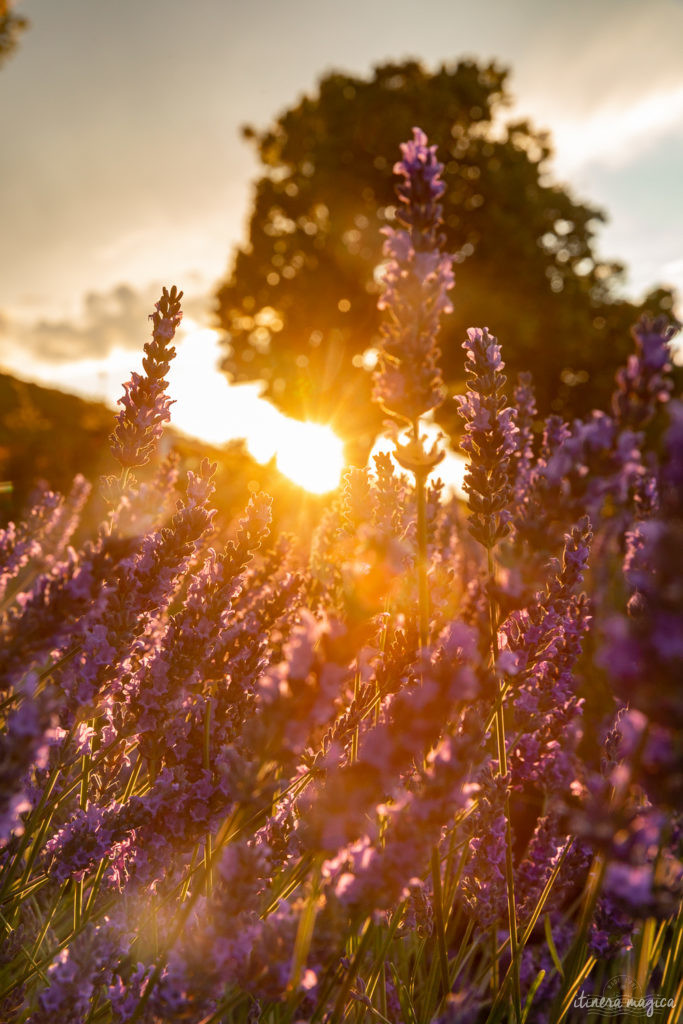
146, 584
21, 543
370, 875
417, 278
336, 808
88, 837
145, 402
546, 639
490, 438
75, 976
549, 844
523, 459
63, 522
611, 928
300, 693
125, 993
188, 655
483, 880
24, 749
645, 380
654, 548
644, 651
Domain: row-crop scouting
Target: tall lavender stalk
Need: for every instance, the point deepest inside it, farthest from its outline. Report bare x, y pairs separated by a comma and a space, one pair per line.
490, 442
417, 278
145, 403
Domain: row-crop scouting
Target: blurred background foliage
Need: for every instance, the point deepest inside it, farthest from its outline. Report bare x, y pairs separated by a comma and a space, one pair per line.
299, 306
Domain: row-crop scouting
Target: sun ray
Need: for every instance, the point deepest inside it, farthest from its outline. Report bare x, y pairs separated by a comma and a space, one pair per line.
208, 407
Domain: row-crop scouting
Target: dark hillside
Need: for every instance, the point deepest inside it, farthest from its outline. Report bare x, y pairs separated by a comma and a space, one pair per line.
47, 436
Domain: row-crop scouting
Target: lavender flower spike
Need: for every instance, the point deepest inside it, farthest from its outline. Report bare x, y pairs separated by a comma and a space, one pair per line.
145, 402
417, 278
645, 380
490, 438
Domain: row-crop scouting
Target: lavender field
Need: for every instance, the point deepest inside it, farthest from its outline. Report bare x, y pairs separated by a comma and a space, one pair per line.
421, 767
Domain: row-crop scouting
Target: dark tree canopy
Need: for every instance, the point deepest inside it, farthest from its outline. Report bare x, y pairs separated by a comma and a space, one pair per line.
299, 307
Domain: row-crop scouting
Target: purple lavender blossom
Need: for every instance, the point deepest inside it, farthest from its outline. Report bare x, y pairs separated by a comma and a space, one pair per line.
416, 282
23, 543
370, 875
547, 844
645, 380
145, 402
547, 639
189, 654
67, 520
490, 438
525, 413
93, 835
147, 582
76, 975
483, 881
611, 928
644, 653
336, 808
24, 749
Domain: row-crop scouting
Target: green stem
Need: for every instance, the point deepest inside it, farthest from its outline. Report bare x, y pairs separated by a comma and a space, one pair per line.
78, 904
503, 771
225, 834
338, 1010
356, 731
304, 935
34, 818
420, 475
494, 960
208, 853
422, 557
439, 923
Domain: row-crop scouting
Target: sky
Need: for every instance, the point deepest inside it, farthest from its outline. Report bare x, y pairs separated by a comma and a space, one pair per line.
122, 165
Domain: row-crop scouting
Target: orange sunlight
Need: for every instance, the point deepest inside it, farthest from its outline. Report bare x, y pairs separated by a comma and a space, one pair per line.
451, 469
207, 407
309, 454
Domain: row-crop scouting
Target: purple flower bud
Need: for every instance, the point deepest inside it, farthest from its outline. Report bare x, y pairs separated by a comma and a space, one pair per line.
417, 279
145, 403
490, 438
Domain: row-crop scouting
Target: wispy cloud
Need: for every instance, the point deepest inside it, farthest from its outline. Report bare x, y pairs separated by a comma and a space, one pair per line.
110, 321
617, 133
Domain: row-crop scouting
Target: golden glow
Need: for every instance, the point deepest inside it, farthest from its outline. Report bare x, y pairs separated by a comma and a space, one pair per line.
451, 470
311, 455
208, 407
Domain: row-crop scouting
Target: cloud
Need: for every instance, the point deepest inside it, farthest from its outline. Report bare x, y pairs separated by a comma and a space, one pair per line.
114, 319
606, 79
109, 321
615, 134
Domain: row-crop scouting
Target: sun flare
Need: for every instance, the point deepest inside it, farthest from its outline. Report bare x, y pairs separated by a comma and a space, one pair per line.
208, 407
311, 455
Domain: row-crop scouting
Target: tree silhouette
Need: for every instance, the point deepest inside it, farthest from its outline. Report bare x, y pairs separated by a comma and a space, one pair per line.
299, 307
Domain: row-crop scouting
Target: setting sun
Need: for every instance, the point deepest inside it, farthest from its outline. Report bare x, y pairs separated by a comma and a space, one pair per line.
311, 455
208, 407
